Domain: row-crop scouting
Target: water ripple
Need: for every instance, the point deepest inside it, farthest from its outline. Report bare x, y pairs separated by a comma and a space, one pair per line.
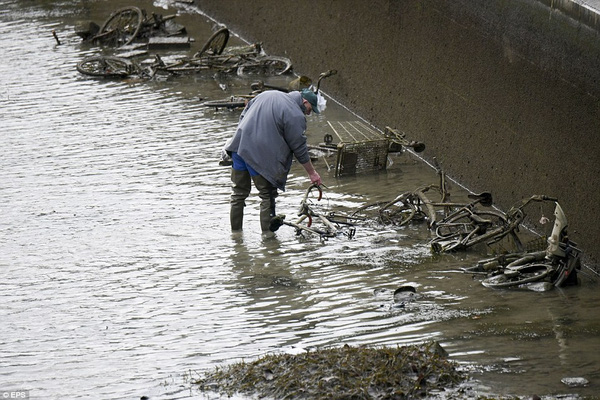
119, 270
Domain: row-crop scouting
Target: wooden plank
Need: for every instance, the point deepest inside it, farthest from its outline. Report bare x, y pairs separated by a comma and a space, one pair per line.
133, 53
173, 42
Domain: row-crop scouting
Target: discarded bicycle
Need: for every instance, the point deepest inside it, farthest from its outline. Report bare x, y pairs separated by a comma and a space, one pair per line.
468, 227
215, 44
415, 206
240, 101
558, 265
109, 67
241, 60
329, 225
129, 24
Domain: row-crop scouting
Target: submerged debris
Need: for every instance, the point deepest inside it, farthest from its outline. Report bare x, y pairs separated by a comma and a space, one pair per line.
343, 372
575, 382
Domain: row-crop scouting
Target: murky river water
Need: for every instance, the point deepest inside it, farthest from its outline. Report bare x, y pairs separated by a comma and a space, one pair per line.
120, 277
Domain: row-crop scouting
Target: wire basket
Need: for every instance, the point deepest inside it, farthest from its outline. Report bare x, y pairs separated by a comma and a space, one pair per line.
359, 148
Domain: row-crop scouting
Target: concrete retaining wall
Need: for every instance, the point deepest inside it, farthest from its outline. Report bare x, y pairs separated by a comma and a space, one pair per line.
504, 92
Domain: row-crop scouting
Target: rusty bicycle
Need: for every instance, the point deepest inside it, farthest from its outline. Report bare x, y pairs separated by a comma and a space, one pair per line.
416, 206
557, 265
468, 227
240, 101
310, 220
129, 24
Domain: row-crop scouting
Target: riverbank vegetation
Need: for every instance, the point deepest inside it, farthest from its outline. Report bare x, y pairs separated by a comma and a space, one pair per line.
339, 373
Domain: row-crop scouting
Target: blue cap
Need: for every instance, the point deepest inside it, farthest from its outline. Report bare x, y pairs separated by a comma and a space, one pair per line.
311, 97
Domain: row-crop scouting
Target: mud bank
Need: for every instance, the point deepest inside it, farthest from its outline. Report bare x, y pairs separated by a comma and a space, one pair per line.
504, 93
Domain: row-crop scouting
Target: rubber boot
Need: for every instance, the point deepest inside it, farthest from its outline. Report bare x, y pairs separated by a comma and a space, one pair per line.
267, 193
240, 190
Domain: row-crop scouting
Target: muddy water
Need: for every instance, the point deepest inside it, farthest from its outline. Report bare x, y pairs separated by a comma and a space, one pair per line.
119, 275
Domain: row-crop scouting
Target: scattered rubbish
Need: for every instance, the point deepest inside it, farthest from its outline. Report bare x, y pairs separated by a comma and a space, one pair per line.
55, 37
398, 141
161, 43
575, 382
558, 264
240, 101
311, 220
359, 148
404, 294
129, 24
214, 55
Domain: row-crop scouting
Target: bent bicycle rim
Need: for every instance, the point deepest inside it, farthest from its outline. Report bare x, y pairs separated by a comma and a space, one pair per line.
525, 274
266, 65
215, 44
124, 24
108, 67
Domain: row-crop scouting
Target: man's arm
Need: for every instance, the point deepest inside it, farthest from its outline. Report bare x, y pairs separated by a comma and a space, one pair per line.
312, 173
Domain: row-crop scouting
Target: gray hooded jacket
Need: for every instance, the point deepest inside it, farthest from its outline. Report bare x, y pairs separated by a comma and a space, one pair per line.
272, 130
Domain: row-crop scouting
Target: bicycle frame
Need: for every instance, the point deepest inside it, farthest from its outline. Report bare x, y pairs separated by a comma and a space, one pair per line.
416, 204
129, 24
557, 264
475, 228
240, 101
307, 216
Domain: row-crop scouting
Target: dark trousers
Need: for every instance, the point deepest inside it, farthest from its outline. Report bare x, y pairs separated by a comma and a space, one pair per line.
241, 186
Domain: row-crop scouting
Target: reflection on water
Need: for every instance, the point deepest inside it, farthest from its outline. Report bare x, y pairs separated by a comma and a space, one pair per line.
120, 274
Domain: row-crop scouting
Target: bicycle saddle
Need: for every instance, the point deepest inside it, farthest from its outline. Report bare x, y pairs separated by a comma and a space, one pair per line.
484, 197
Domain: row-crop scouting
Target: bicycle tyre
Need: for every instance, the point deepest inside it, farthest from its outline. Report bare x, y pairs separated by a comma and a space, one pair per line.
215, 44
460, 232
489, 239
400, 215
265, 65
126, 22
368, 212
566, 273
462, 225
105, 66
525, 274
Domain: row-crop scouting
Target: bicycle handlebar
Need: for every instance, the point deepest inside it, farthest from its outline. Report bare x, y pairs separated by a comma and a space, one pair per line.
536, 197
519, 209
310, 188
323, 76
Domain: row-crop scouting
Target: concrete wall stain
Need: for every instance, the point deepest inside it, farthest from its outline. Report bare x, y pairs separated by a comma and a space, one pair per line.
504, 92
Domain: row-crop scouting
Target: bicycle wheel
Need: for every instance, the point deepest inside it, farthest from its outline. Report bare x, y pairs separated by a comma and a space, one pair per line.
464, 224
368, 212
566, 271
400, 213
265, 65
469, 228
215, 44
106, 66
518, 276
122, 27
